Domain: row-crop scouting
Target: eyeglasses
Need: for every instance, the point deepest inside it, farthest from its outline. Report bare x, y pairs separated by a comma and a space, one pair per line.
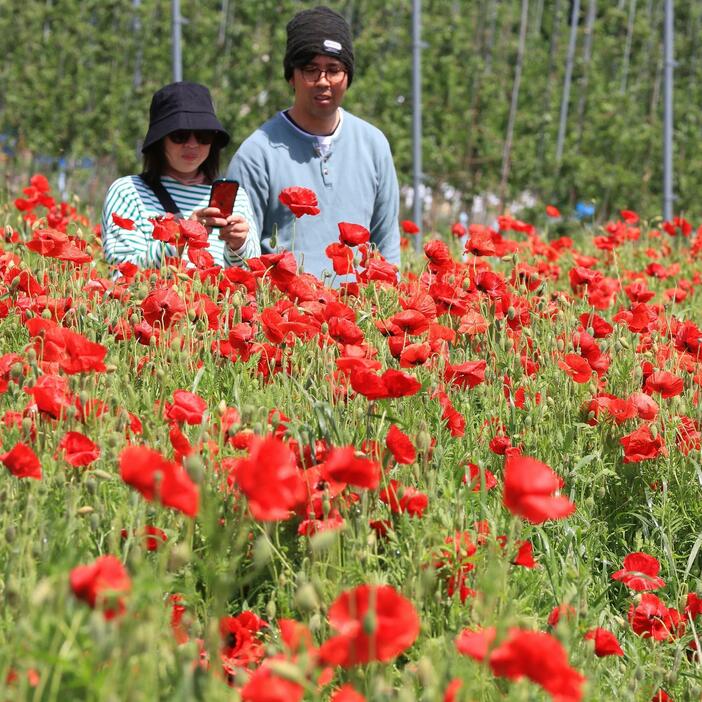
182, 136
334, 74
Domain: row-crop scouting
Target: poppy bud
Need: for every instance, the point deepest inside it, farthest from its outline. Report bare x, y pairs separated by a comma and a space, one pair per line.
10, 534
91, 485
46, 313
262, 552
27, 425
511, 313
271, 609
178, 558
426, 672
134, 319
654, 430
32, 355
94, 521
306, 599
370, 623
423, 441
192, 314
195, 468
315, 622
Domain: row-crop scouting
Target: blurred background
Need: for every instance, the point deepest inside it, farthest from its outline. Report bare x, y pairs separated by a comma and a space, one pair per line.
77, 77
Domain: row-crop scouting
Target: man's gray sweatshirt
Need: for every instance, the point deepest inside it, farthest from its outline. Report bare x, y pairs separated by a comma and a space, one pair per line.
355, 181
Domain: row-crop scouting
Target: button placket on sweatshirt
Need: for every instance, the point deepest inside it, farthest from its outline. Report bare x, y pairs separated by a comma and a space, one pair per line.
326, 170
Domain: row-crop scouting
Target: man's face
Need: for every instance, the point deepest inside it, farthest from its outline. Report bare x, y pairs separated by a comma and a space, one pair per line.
319, 95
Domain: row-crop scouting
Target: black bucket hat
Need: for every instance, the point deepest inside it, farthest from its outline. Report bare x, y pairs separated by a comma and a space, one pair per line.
182, 105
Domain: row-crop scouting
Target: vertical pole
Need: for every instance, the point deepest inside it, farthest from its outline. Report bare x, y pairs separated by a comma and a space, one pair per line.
176, 21
669, 63
417, 120
566, 82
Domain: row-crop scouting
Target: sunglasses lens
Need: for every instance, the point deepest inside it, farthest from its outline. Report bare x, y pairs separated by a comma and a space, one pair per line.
179, 137
204, 137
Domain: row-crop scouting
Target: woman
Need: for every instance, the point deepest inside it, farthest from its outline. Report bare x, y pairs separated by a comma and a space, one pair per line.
181, 159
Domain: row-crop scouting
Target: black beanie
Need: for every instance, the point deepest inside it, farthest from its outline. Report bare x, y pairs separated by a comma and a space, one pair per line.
318, 31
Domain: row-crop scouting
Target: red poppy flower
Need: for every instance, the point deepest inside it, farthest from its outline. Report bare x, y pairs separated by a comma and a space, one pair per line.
51, 395
640, 572
541, 658
102, 584
465, 375
193, 233
264, 685
552, 211
375, 623
346, 693
240, 645
147, 470
576, 367
650, 617
22, 462
123, 222
78, 449
641, 445
475, 642
300, 201
665, 383
413, 355
605, 642
164, 306
529, 485
353, 234
525, 556
404, 498
166, 229
473, 478
400, 446
270, 479
409, 227
646, 406
187, 407
341, 257
342, 465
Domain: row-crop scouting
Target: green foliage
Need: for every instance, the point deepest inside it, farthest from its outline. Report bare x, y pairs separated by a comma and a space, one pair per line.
80, 73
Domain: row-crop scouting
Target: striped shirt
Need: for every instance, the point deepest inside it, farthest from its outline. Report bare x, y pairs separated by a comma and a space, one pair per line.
130, 198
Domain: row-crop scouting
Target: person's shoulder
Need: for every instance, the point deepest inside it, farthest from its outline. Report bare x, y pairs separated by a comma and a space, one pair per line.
364, 128
126, 185
261, 137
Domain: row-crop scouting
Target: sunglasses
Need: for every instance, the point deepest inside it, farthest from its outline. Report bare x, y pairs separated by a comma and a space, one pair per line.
202, 136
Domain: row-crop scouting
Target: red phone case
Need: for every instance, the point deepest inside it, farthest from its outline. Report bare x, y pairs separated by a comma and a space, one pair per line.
223, 195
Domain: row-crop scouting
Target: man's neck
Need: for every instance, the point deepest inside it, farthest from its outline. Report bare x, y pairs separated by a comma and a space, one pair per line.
318, 127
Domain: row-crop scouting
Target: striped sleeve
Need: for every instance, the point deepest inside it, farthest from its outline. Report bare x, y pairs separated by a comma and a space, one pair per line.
122, 245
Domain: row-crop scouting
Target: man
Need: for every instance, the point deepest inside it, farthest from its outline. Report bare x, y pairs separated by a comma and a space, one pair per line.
318, 145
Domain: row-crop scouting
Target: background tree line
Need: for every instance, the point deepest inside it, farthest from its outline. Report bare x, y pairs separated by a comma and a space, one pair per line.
77, 76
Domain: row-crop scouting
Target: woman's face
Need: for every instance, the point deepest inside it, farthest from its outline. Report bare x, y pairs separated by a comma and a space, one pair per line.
184, 152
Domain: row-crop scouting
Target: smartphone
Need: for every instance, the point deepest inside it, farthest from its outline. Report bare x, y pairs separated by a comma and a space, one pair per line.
223, 195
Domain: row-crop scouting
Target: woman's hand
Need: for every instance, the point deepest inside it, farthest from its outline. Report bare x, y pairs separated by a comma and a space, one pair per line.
233, 229
209, 217
234, 232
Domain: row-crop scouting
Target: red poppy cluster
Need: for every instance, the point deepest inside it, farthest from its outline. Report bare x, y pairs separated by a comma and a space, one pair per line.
408, 376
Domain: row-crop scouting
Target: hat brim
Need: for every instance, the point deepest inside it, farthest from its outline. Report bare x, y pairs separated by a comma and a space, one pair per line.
185, 120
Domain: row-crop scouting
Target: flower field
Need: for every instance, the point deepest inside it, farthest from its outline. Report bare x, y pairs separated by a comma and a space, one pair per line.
479, 479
